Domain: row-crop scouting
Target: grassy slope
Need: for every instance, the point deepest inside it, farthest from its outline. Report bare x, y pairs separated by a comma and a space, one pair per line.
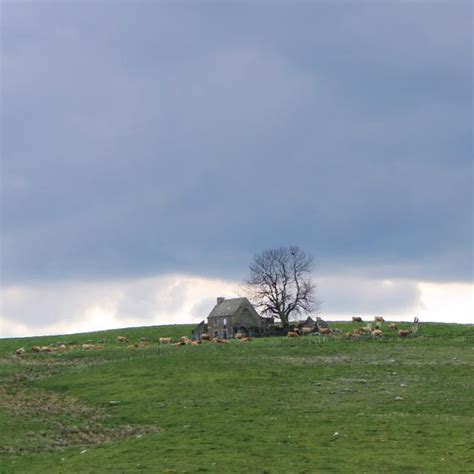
269, 406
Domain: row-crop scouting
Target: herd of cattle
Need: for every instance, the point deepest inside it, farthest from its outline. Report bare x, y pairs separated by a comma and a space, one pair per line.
185, 341
123, 340
374, 330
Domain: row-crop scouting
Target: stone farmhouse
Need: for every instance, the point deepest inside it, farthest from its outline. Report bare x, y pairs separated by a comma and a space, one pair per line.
232, 316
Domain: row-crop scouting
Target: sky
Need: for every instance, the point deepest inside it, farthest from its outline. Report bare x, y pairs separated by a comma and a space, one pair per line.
150, 149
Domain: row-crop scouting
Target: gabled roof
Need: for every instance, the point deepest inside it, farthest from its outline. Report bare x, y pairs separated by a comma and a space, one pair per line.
228, 307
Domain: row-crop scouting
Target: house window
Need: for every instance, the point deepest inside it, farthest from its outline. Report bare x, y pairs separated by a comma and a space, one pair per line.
225, 321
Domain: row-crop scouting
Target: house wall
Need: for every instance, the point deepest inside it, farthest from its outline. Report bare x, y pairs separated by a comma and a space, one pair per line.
244, 318
217, 327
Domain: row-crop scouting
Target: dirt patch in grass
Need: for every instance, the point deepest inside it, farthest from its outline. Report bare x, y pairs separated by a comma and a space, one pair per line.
65, 422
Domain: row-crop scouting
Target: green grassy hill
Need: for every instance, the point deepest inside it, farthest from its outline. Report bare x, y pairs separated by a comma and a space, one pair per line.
273, 405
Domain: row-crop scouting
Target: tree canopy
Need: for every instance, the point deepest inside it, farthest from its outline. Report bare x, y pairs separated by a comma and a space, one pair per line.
281, 284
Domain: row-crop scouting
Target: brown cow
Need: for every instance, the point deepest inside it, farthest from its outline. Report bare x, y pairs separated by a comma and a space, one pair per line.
205, 337
392, 327
292, 334
245, 339
356, 319
379, 319
377, 333
404, 333
325, 331
122, 339
218, 340
165, 340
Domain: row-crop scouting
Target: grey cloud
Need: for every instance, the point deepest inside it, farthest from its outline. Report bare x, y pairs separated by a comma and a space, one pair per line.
160, 139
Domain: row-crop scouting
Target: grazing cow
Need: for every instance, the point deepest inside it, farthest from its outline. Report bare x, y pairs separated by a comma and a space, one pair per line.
218, 340
325, 331
404, 333
379, 319
367, 329
122, 339
292, 334
356, 319
392, 327
307, 330
88, 346
165, 340
36, 349
377, 333
205, 337
45, 349
20, 351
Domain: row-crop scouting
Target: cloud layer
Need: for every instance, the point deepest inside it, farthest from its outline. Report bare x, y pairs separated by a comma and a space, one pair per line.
175, 138
52, 308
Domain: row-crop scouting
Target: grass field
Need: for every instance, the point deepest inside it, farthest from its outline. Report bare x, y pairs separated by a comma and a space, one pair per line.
273, 405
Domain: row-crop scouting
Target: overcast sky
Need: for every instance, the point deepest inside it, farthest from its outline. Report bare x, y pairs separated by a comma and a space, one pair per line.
149, 149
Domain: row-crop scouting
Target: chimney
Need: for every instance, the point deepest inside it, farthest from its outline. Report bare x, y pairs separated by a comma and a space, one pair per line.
220, 299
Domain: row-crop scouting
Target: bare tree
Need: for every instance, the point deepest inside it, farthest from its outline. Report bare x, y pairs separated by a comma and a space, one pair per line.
280, 283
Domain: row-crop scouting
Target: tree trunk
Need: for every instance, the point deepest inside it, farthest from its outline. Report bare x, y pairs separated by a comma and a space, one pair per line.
284, 321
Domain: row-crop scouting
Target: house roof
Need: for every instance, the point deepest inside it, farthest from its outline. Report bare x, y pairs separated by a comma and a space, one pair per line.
227, 307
